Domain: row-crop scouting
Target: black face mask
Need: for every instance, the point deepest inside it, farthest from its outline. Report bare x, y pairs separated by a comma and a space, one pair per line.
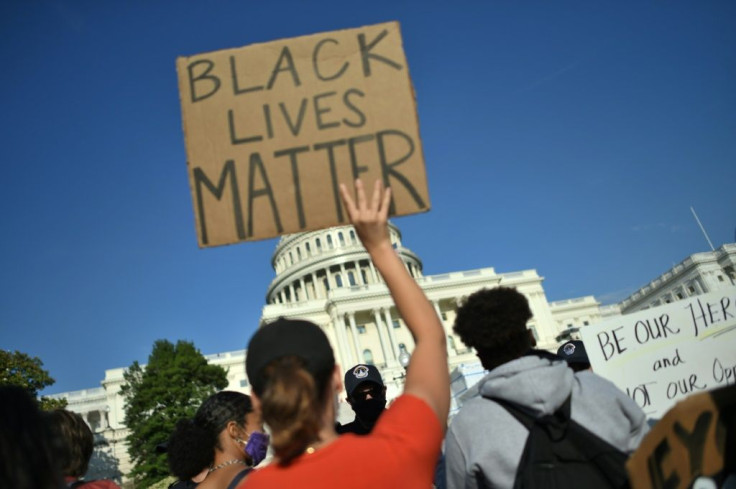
369, 410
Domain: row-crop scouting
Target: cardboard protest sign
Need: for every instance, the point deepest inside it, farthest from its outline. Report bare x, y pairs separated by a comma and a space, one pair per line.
661, 355
271, 130
693, 445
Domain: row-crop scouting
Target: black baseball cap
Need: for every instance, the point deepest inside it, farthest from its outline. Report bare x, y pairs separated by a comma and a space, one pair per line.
359, 374
288, 337
573, 352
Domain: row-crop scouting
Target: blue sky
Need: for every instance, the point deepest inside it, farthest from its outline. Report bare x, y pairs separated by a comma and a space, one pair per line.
570, 137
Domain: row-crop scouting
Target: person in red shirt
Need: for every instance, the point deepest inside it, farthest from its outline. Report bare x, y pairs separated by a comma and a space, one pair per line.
295, 381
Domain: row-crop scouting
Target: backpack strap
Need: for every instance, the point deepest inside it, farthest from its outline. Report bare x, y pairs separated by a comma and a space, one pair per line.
555, 424
522, 417
239, 477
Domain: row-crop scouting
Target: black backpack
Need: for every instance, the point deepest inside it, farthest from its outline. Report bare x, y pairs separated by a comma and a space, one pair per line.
559, 453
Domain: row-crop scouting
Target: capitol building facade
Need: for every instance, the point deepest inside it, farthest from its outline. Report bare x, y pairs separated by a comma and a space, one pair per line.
327, 277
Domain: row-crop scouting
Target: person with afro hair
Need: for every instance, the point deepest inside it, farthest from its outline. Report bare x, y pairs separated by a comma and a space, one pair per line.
485, 442
493, 322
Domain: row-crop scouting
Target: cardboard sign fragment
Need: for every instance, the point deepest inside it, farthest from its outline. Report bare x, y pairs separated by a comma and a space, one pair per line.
271, 130
693, 445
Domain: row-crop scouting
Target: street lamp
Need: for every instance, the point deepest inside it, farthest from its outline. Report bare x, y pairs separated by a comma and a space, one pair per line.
404, 360
404, 357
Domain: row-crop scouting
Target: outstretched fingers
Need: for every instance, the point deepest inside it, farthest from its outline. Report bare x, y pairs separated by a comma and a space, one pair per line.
347, 199
376, 198
385, 205
361, 211
360, 192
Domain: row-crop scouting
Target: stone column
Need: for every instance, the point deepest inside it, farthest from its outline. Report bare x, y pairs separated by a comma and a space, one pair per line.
436, 305
292, 295
305, 296
342, 343
317, 290
390, 326
356, 340
389, 357
373, 271
545, 324
698, 287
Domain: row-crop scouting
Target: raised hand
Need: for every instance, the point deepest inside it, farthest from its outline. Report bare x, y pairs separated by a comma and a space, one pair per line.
370, 219
427, 376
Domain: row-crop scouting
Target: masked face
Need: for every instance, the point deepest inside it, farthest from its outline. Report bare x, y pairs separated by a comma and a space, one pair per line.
369, 410
256, 446
368, 401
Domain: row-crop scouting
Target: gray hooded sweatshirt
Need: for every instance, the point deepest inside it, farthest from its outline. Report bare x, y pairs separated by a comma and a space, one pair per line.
484, 443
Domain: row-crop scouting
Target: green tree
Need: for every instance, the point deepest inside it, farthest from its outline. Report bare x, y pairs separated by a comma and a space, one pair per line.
18, 368
171, 387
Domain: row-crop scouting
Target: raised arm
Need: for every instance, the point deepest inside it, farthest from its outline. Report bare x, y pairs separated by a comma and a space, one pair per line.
427, 376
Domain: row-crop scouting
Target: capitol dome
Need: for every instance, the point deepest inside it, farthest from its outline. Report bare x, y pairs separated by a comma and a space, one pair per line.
309, 265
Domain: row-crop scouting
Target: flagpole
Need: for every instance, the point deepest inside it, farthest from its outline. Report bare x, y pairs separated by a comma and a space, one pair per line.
702, 229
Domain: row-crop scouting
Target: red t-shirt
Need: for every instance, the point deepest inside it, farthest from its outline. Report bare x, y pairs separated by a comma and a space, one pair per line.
94, 484
401, 451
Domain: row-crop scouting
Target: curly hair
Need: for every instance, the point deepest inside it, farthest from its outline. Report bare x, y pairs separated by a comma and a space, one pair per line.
291, 406
493, 321
74, 439
192, 444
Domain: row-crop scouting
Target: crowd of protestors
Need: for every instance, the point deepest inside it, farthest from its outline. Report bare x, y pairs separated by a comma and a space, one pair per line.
43, 449
296, 386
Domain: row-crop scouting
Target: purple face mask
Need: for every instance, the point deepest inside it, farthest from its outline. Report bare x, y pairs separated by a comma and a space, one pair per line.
257, 446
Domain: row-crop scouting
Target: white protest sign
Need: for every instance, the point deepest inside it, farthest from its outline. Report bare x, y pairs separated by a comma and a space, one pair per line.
661, 355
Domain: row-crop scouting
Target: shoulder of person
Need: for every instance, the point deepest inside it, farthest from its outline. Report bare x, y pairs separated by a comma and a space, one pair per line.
590, 379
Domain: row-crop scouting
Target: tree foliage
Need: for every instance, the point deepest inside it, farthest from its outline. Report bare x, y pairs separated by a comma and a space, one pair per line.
18, 368
170, 387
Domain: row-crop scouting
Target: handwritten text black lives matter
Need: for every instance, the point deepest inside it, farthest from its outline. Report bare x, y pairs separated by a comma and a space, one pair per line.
315, 111
702, 316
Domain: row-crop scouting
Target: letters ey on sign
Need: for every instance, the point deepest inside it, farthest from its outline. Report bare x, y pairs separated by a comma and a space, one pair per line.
272, 129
